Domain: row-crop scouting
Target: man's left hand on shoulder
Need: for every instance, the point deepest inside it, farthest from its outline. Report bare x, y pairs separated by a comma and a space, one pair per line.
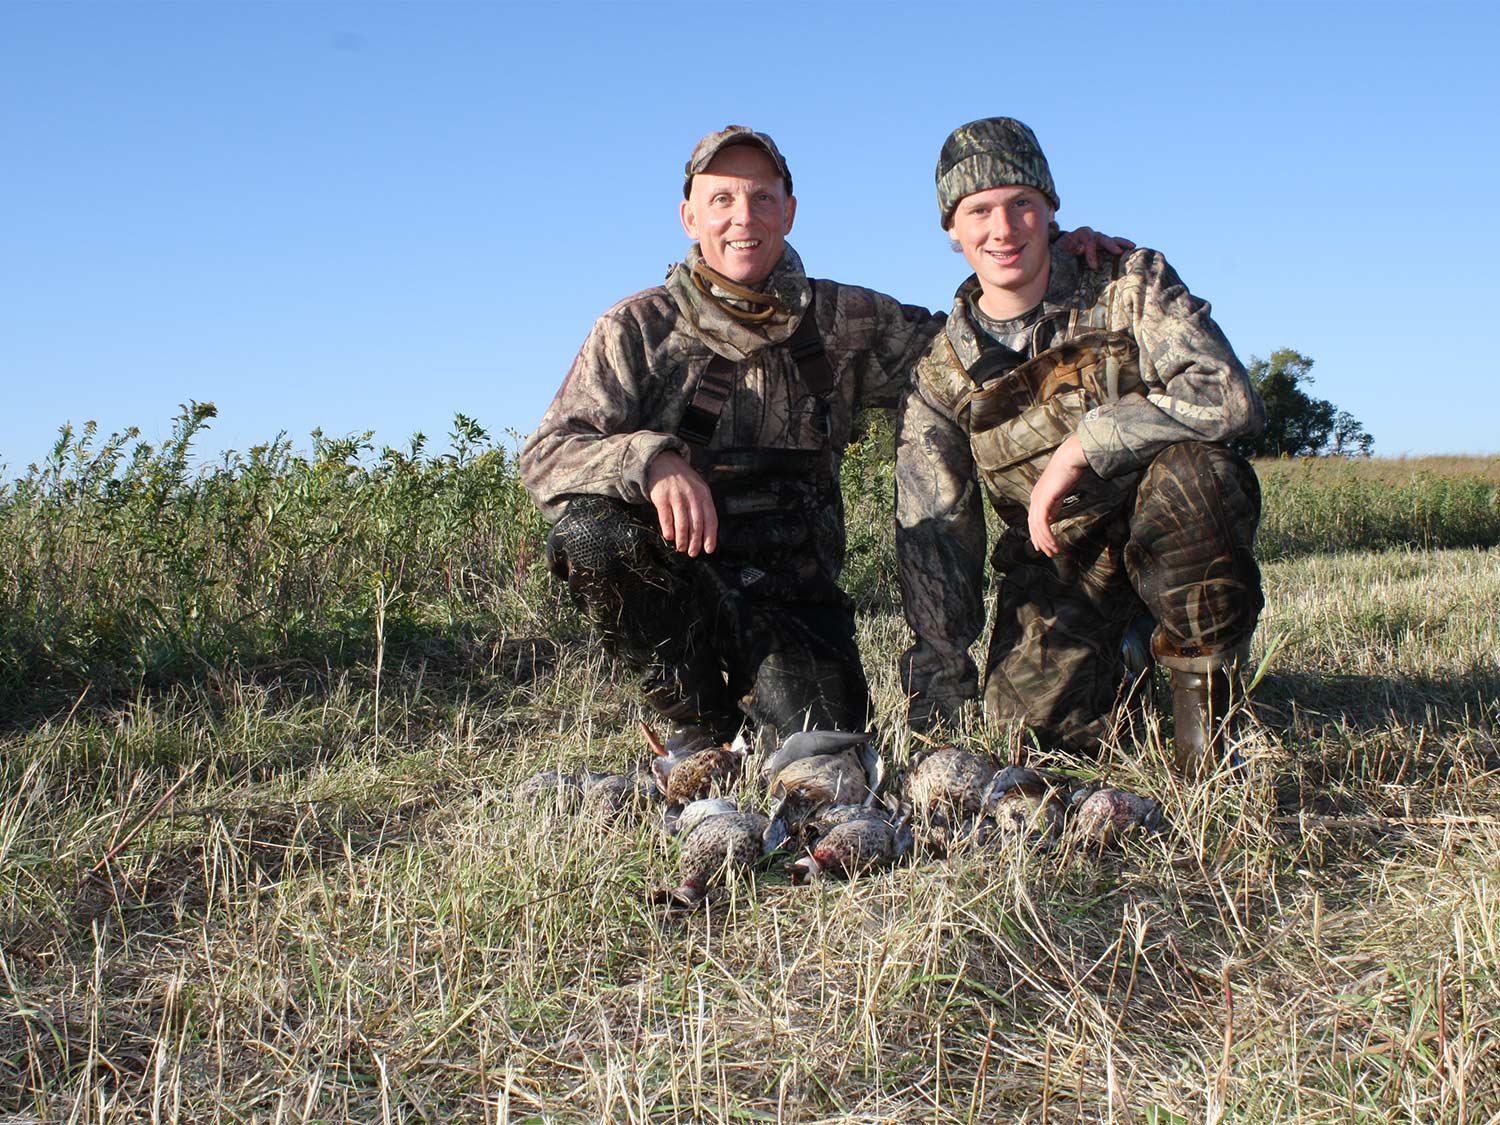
1087, 242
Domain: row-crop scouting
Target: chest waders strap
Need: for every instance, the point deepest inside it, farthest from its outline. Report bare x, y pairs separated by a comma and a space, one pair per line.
813, 367
702, 415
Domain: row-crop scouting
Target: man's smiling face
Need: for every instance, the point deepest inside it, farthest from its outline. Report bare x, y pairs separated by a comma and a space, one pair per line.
1003, 234
739, 213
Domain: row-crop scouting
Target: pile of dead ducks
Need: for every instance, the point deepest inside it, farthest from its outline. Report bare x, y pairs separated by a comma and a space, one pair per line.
830, 807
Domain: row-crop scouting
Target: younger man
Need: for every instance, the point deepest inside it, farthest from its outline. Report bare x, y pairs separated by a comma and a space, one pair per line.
1092, 407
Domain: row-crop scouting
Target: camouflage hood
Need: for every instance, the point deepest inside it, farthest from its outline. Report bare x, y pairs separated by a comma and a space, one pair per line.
731, 338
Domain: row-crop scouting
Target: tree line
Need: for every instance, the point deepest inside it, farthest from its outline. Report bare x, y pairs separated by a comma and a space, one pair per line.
1297, 423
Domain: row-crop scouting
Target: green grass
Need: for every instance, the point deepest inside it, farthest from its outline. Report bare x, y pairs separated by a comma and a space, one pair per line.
128, 572
1324, 505
340, 915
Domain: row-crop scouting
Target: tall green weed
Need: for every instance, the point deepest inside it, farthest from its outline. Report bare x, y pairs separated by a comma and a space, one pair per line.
1322, 505
868, 481
121, 567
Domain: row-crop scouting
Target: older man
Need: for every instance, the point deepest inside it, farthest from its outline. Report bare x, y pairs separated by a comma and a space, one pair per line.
1092, 407
690, 460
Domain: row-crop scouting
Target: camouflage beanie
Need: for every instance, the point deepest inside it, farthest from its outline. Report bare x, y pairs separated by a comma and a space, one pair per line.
990, 153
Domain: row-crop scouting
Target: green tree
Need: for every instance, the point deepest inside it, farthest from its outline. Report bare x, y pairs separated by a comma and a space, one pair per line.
1350, 439
1297, 424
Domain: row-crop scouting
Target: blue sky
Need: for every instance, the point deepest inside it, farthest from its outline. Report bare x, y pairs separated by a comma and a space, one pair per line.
370, 216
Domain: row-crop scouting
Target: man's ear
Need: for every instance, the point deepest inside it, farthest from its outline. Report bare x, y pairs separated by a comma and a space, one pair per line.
689, 219
791, 213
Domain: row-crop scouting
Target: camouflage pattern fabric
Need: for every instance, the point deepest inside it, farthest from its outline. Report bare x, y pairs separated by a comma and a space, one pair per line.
1017, 419
623, 400
706, 649
710, 146
1191, 553
773, 506
1133, 363
990, 153
1183, 547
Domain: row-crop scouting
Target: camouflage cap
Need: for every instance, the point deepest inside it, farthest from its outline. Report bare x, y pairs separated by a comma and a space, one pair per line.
709, 147
990, 153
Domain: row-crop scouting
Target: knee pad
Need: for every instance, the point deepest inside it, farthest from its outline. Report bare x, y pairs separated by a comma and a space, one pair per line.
594, 536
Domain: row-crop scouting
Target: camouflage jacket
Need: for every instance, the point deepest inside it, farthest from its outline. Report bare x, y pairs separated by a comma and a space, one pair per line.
1191, 388
626, 393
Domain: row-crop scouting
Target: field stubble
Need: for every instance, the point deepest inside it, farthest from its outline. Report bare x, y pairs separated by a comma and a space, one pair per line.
340, 914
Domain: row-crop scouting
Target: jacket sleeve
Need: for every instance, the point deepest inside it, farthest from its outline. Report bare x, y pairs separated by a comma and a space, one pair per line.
940, 540
1196, 389
885, 337
594, 438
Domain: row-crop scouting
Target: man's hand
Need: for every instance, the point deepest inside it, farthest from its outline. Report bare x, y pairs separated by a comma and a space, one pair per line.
684, 505
1057, 480
1088, 242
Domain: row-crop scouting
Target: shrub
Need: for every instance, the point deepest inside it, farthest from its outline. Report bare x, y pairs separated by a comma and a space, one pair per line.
121, 571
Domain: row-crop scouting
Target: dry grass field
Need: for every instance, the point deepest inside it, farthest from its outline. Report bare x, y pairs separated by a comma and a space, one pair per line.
284, 889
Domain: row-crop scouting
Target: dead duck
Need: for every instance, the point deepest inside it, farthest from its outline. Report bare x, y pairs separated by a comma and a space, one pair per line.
1101, 816
550, 791
807, 786
681, 821
854, 840
830, 818
809, 744
611, 797
694, 767
1022, 802
948, 786
721, 846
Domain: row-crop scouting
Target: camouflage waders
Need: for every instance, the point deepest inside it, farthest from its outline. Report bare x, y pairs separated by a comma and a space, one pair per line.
1181, 545
755, 628
1176, 537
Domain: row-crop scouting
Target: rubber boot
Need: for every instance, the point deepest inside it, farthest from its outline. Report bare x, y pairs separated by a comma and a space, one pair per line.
1204, 690
798, 690
1200, 712
691, 695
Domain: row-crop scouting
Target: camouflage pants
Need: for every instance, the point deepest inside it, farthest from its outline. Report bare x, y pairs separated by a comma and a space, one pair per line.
708, 652
1181, 548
